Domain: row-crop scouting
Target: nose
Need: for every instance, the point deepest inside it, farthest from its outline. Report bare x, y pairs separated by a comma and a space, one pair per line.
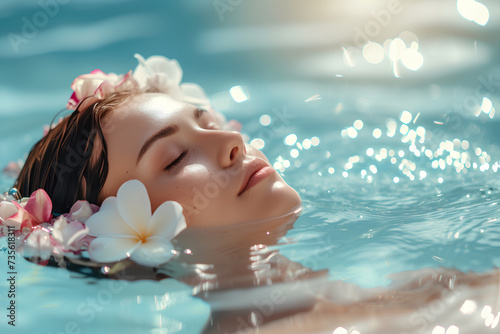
229, 146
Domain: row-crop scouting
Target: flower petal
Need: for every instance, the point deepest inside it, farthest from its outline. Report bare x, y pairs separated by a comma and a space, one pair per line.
108, 222
167, 221
7, 209
104, 88
68, 234
40, 206
75, 242
81, 211
112, 249
141, 72
38, 244
194, 94
21, 219
98, 72
86, 85
153, 252
134, 205
72, 102
127, 83
154, 65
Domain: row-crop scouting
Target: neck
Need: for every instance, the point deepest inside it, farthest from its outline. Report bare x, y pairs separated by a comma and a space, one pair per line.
233, 256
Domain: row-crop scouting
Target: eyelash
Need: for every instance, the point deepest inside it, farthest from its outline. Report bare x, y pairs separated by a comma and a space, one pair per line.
177, 161
212, 125
184, 153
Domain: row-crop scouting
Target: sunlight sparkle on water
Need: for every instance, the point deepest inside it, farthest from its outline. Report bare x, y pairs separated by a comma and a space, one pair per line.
291, 139
358, 124
405, 116
313, 98
265, 120
424, 150
351, 132
473, 11
404, 129
402, 50
412, 59
438, 330
238, 94
306, 144
258, 143
373, 53
468, 307
340, 330
391, 127
396, 49
487, 108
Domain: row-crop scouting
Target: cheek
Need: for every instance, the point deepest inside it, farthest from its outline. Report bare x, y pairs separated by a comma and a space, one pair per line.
205, 195
185, 187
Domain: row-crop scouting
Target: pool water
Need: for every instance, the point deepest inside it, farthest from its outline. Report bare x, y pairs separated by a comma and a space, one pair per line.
395, 174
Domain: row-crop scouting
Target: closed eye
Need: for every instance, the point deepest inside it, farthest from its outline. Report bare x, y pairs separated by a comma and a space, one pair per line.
198, 112
207, 120
177, 161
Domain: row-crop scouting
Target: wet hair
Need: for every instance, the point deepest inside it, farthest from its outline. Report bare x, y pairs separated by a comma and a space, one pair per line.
70, 161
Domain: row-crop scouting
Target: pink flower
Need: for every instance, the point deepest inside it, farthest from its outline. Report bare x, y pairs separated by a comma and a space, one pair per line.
70, 233
98, 84
36, 211
81, 211
7, 209
154, 73
69, 236
38, 244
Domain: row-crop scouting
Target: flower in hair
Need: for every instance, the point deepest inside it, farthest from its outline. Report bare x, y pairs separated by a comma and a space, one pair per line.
38, 244
69, 236
27, 213
98, 84
37, 234
165, 75
125, 228
155, 73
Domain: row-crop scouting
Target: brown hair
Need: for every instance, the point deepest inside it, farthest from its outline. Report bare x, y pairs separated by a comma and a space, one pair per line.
70, 161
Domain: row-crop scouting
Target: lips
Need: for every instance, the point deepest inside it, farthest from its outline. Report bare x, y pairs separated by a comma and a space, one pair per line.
255, 171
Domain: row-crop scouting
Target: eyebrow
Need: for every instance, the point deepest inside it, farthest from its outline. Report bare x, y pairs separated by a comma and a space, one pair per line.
198, 112
165, 132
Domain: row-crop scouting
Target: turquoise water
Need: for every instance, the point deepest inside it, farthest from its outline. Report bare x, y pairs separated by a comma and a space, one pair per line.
374, 204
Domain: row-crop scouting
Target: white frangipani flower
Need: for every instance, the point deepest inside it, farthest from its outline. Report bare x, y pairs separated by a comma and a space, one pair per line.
165, 75
125, 228
156, 73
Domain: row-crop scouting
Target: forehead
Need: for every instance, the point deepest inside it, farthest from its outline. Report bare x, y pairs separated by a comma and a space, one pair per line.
148, 108
137, 118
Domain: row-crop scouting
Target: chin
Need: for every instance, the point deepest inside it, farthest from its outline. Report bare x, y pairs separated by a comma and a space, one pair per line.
283, 200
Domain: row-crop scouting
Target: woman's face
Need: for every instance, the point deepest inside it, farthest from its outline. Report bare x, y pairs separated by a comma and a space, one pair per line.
179, 153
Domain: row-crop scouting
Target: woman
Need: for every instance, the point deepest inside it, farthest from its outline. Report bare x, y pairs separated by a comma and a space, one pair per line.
146, 126
179, 151
141, 127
